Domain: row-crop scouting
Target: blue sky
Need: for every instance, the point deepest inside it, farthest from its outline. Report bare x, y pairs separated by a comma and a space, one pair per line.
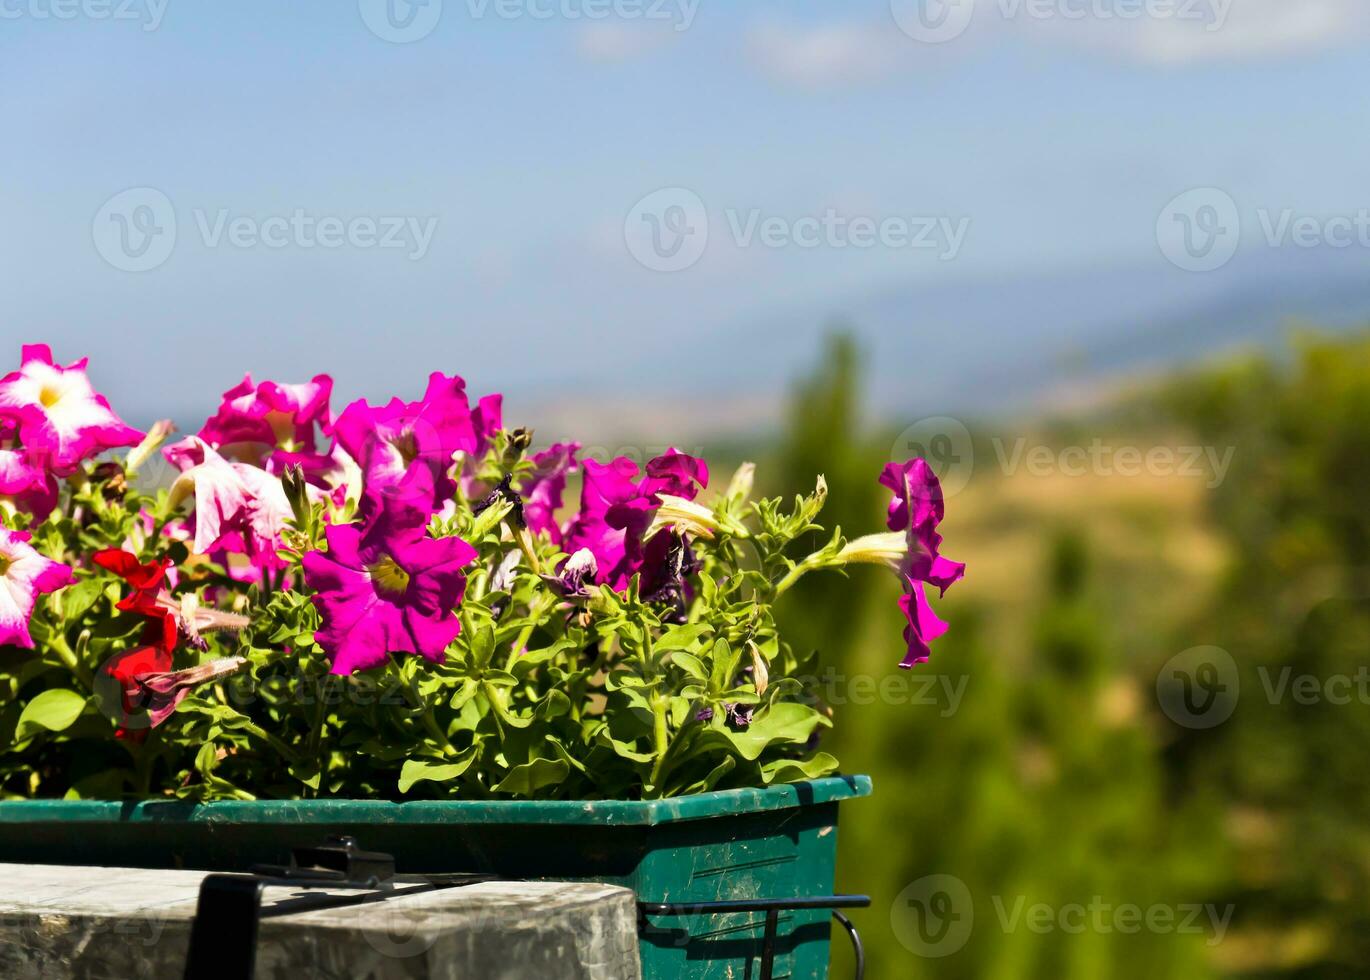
522, 143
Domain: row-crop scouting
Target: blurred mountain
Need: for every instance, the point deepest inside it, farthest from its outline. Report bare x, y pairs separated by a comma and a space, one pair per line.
1032, 342
992, 346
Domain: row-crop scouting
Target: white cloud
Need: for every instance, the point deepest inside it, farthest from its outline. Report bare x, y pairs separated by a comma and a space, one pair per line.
615, 43
827, 55
1207, 31
1158, 33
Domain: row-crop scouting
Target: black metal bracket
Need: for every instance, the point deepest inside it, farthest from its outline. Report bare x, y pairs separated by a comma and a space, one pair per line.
772, 907
223, 936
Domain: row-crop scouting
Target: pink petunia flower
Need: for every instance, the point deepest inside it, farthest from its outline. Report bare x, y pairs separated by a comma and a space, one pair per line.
386, 589
238, 508
406, 449
617, 509
60, 419
543, 488
255, 419
24, 574
916, 509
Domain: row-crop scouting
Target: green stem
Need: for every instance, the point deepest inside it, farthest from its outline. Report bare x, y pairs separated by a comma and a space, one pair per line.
285, 751
536, 611
67, 655
661, 740
430, 724
795, 574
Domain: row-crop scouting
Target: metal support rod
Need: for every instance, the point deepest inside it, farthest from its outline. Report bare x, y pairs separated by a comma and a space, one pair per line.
768, 944
772, 907
223, 937
858, 950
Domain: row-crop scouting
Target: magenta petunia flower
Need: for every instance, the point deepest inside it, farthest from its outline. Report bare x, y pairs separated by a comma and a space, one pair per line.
255, 419
916, 509
24, 574
384, 590
238, 508
60, 419
487, 419
543, 488
616, 510
405, 449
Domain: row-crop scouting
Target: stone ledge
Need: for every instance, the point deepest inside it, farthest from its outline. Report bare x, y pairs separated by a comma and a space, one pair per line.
108, 923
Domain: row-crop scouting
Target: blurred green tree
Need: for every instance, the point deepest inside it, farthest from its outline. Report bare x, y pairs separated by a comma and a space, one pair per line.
1029, 778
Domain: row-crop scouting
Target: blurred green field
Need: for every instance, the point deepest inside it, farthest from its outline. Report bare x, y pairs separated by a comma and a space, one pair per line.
1081, 830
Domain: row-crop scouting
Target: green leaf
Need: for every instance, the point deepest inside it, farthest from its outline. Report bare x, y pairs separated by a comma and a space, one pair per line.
711, 780
793, 770
691, 664
786, 723
527, 779
417, 770
54, 710
554, 705
78, 599
683, 637
482, 647
724, 665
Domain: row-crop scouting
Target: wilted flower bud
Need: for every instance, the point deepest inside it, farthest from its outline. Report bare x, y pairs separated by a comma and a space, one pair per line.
520, 439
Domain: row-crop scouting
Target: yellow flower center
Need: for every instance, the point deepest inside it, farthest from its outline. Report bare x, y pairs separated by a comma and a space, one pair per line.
407, 445
389, 577
5, 562
49, 395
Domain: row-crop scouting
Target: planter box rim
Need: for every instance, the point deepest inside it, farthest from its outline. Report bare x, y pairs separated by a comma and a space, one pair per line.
702, 806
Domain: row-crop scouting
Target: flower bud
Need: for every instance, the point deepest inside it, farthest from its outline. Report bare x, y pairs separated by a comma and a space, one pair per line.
887, 548
740, 486
685, 516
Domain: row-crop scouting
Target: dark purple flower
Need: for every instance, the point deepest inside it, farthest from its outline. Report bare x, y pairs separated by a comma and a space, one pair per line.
740, 715
616, 510
569, 581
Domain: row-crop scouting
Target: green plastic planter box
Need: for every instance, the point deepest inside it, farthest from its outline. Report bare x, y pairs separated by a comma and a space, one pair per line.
736, 844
